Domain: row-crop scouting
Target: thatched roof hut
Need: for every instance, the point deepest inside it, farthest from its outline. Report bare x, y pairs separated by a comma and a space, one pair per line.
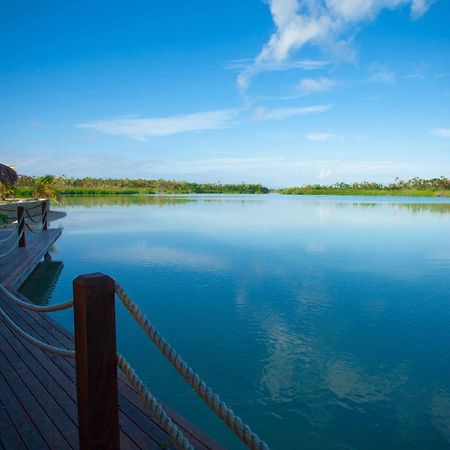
8, 176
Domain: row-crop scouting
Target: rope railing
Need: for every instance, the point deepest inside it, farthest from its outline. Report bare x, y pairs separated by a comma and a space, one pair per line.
31, 306
38, 343
25, 221
175, 434
14, 246
35, 230
11, 234
235, 423
31, 217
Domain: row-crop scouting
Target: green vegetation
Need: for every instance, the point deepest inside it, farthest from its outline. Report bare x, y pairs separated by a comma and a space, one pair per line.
27, 186
4, 219
52, 186
44, 187
416, 187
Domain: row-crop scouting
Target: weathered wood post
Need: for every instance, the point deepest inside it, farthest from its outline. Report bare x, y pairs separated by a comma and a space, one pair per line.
21, 227
96, 362
45, 208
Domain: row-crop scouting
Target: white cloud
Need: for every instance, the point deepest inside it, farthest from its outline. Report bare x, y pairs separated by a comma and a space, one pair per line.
311, 85
320, 137
420, 7
380, 74
441, 132
304, 64
163, 126
320, 22
284, 113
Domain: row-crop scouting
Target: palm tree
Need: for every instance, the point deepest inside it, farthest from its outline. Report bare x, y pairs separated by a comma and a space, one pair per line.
44, 187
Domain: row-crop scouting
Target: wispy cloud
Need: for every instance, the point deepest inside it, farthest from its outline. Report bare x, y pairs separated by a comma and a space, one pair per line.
274, 66
284, 113
141, 128
320, 137
420, 7
310, 85
441, 132
322, 23
380, 74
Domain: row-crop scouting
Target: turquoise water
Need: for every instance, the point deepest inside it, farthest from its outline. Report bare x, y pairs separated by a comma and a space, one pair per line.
323, 321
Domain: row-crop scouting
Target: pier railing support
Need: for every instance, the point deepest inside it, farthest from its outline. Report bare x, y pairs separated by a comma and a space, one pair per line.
21, 226
45, 208
96, 362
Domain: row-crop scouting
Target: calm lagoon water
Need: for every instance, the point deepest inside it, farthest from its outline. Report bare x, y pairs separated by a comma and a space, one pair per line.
323, 321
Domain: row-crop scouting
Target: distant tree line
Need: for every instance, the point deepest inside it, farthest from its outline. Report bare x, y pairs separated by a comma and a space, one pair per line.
104, 186
51, 186
414, 186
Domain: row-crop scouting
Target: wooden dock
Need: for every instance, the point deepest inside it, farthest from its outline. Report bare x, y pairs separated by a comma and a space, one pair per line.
38, 395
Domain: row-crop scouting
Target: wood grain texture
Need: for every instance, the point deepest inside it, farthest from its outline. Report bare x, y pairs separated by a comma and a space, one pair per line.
96, 366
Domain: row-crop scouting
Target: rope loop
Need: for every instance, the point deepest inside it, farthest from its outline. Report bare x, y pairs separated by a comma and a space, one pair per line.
31, 306
14, 246
33, 230
11, 234
31, 217
38, 343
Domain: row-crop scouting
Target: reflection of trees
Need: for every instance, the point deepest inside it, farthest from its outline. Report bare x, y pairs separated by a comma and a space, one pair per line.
123, 200
142, 200
437, 208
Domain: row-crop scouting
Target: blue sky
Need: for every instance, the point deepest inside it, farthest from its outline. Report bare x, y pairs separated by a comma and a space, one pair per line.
281, 92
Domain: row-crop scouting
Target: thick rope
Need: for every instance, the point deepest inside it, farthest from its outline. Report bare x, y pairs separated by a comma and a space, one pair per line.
244, 433
31, 217
12, 233
13, 247
35, 206
155, 407
38, 343
37, 308
36, 230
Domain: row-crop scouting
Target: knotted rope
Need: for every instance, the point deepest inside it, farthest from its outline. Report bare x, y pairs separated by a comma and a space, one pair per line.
37, 308
242, 431
36, 230
155, 407
14, 245
31, 217
11, 234
38, 343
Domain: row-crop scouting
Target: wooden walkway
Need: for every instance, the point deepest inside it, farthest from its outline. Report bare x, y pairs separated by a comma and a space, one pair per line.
37, 390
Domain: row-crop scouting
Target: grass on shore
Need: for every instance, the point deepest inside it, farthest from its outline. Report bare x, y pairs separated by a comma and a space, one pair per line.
367, 192
415, 187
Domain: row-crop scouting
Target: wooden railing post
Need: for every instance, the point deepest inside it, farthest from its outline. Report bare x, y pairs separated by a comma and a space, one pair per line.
21, 227
96, 362
45, 208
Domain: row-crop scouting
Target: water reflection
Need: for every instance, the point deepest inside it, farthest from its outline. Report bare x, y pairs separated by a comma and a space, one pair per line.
324, 321
39, 286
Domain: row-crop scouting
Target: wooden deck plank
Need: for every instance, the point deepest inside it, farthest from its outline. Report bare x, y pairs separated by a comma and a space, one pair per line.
9, 436
48, 392
35, 413
15, 267
28, 432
